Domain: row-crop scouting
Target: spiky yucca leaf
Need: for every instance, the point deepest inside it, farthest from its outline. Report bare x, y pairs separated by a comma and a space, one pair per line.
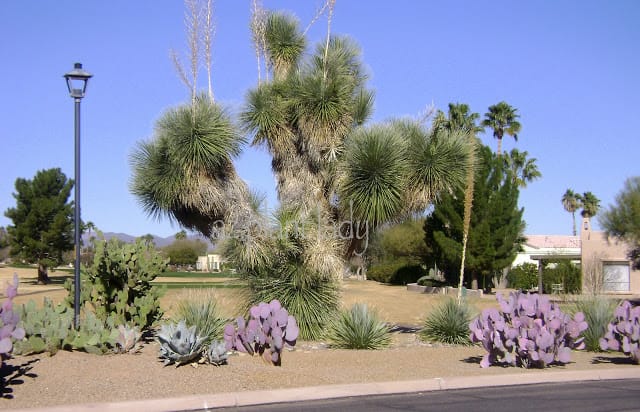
284, 43
373, 176
359, 328
448, 323
436, 164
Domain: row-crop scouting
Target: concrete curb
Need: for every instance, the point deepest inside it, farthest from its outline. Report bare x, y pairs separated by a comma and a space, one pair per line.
249, 398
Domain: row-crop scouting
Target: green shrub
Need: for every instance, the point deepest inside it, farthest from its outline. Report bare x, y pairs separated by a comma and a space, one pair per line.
448, 323
428, 281
359, 328
524, 276
202, 312
598, 313
118, 283
565, 273
396, 272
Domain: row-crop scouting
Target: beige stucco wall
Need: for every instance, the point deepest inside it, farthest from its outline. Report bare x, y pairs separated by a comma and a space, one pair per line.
595, 244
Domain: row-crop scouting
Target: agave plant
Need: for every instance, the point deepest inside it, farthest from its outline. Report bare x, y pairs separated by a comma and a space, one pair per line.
216, 353
179, 344
127, 339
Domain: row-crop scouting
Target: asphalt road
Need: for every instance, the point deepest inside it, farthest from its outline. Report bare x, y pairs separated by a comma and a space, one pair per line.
606, 395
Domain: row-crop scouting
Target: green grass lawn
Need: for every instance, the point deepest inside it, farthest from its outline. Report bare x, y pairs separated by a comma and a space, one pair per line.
198, 275
198, 285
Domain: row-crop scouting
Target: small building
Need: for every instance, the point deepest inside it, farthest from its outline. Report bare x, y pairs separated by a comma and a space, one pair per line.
604, 262
209, 263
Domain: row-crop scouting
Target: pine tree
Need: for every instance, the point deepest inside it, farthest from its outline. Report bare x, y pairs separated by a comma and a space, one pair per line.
496, 227
42, 220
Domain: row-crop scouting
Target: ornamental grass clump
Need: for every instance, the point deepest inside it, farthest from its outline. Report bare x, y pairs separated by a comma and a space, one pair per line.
623, 334
527, 331
203, 313
448, 323
598, 313
359, 328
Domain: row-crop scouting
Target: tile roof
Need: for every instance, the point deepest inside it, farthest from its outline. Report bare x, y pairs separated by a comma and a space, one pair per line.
552, 241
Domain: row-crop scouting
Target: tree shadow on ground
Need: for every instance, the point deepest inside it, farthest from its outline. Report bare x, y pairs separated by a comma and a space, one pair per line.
53, 281
613, 360
472, 359
11, 375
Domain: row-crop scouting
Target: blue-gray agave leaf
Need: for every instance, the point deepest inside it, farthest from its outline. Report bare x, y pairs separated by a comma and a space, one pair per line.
179, 344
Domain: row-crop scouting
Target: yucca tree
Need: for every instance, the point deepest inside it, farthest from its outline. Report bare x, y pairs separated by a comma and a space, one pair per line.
502, 119
310, 118
185, 172
571, 203
523, 168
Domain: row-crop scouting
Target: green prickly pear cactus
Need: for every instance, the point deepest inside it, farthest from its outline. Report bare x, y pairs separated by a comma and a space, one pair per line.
118, 283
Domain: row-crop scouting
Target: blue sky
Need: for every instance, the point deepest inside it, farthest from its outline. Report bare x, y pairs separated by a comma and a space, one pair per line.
571, 68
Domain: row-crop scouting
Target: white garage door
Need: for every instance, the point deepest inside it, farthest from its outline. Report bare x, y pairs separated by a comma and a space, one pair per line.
616, 276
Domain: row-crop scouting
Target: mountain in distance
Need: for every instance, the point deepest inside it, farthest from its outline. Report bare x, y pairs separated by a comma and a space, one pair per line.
159, 241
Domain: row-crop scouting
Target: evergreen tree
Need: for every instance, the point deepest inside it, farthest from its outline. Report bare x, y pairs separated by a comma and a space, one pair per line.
496, 225
42, 220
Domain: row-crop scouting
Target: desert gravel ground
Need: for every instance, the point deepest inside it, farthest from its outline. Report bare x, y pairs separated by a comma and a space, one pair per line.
76, 377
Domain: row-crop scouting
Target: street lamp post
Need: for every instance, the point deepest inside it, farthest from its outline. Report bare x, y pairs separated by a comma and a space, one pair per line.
77, 83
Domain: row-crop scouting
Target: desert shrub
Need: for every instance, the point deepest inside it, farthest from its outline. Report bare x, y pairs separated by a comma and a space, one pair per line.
524, 276
265, 333
396, 272
10, 330
203, 313
448, 323
598, 313
118, 283
527, 331
623, 334
565, 273
359, 328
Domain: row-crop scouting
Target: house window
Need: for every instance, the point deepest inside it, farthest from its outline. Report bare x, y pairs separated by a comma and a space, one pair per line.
616, 276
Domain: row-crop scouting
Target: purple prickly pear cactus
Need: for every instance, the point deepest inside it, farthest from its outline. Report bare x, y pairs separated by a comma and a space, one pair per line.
9, 330
623, 334
266, 332
527, 331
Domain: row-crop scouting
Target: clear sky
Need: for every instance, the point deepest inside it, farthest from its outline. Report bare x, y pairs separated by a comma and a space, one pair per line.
571, 68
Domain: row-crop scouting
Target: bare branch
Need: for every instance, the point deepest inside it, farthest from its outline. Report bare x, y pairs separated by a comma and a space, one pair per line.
209, 32
330, 4
258, 29
179, 68
192, 21
315, 18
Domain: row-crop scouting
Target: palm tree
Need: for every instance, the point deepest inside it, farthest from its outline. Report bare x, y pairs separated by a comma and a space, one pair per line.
523, 169
590, 205
502, 118
571, 202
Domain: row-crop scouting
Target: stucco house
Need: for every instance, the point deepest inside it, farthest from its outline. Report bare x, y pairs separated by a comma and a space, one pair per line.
604, 262
209, 263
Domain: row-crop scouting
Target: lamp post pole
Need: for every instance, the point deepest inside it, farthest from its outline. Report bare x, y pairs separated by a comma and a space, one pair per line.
77, 83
